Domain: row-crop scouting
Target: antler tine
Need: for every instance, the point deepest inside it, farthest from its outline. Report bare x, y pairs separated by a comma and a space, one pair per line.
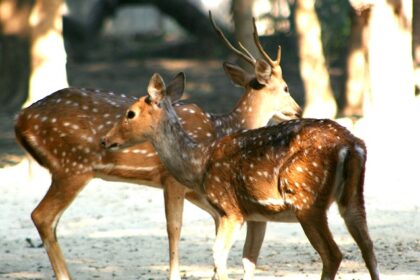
219, 32
260, 48
246, 51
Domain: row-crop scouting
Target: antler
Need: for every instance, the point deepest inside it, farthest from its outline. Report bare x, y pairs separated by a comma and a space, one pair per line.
260, 48
245, 55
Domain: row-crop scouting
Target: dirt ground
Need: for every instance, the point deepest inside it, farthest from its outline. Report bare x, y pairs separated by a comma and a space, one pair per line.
117, 230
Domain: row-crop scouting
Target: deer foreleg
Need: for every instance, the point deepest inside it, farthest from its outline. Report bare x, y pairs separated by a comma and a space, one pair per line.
174, 204
227, 232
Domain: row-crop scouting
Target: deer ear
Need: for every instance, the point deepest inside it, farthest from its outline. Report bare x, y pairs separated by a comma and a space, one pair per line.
262, 72
236, 74
156, 89
176, 87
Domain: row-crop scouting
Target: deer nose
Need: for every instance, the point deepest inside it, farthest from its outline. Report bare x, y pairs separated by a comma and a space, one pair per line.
103, 142
107, 145
299, 112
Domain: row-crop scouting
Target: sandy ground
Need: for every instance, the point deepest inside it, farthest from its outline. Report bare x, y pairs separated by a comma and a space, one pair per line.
117, 230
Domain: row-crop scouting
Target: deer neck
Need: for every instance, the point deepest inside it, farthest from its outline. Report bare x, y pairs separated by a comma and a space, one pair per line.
183, 157
246, 115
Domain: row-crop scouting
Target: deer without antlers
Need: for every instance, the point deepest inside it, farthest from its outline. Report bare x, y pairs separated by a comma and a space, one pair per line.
290, 172
62, 132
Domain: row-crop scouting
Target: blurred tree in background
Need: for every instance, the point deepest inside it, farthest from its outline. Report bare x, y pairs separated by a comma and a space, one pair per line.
242, 19
33, 59
14, 53
357, 75
48, 56
319, 98
390, 56
382, 30
368, 41
373, 38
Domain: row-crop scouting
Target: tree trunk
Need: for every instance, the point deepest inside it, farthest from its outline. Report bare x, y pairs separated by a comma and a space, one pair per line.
14, 53
48, 57
242, 19
319, 98
390, 56
357, 75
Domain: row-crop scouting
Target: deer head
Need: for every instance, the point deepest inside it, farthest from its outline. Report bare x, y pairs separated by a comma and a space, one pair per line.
141, 118
265, 87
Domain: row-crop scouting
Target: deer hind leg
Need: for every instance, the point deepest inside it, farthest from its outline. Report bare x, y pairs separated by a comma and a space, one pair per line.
48, 212
355, 219
227, 232
255, 233
315, 226
174, 204
352, 209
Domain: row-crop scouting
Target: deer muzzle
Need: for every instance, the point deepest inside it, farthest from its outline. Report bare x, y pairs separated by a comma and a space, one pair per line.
108, 144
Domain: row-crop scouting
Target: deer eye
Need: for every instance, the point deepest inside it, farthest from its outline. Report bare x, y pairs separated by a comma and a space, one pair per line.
286, 89
130, 114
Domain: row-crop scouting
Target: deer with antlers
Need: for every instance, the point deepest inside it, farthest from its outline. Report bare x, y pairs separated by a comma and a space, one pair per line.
291, 172
62, 132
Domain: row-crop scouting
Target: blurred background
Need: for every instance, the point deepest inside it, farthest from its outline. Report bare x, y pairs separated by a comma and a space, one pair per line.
356, 61
341, 58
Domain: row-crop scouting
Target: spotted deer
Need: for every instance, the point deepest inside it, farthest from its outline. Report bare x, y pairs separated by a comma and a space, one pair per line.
62, 132
291, 172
